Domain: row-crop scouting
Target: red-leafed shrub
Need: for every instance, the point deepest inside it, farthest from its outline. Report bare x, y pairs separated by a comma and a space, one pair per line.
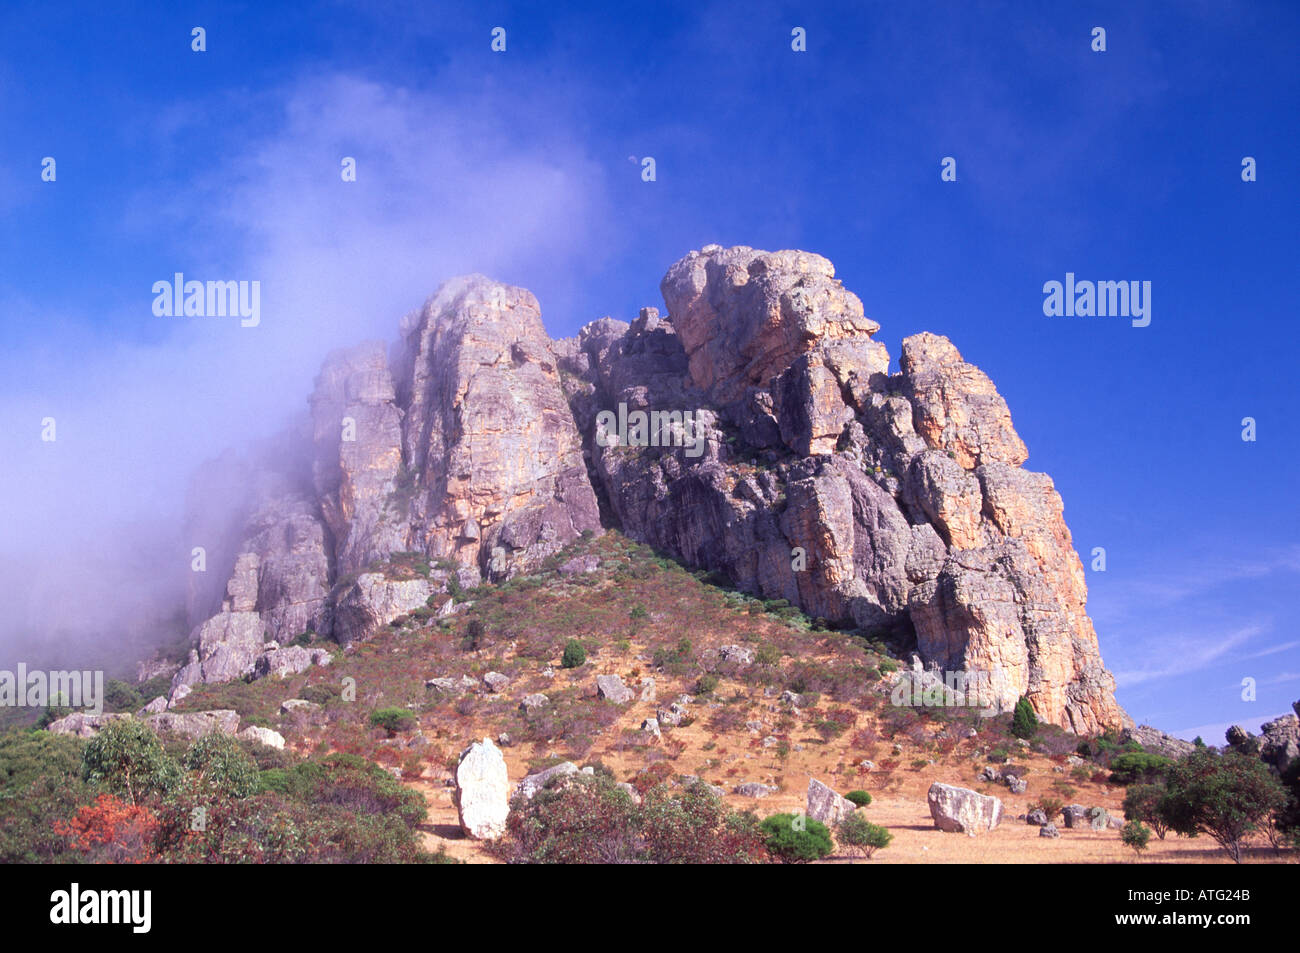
111, 831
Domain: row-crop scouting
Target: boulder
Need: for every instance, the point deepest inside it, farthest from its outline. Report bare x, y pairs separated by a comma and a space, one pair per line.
825, 805
290, 660
1048, 830
482, 791
1157, 742
495, 681
669, 718
195, 724
1279, 741
1017, 785
538, 780
263, 736
754, 789
740, 654
533, 702
961, 810
372, 599
1036, 817
178, 694
611, 688
81, 724
292, 705
1075, 815
159, 704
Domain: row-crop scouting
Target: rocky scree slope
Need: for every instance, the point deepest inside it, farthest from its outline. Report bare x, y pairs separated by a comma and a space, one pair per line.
893, 503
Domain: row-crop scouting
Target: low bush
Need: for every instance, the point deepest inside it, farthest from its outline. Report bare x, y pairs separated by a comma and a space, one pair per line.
795, 838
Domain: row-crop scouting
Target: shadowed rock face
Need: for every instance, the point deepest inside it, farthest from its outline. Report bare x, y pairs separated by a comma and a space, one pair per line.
892, 502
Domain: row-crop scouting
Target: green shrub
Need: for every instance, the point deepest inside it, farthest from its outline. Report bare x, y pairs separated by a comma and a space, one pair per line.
393, 719
574, 654
1136, 835
859, 836
584, 821
221, 763
321, 694
706, 684
298, 782
121, 697
795, 838
1133, 767
40, 782
127, 759
860, 798
1024, 723
696, 827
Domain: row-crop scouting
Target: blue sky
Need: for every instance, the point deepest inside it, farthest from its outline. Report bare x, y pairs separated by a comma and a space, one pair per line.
525, 165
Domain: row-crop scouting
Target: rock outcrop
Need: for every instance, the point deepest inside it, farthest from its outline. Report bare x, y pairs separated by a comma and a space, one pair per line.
825, 805
499, 479
960, 810
1157, 742
894, 503
761, 435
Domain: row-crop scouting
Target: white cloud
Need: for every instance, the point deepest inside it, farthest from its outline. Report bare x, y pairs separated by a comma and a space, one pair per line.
1173, 655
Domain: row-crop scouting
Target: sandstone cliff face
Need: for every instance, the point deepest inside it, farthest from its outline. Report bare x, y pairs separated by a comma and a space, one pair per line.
895, 503
462, 447
358, 466
500, 480
892, 502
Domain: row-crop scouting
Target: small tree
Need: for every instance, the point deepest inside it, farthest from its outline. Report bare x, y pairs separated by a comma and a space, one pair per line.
473, 637
859, 836
1229, 796
574, 654
1136, 835
1024, 723
126, 757
1142, 803
860, 798
1051, 806
393, 720
795, 839
221, 763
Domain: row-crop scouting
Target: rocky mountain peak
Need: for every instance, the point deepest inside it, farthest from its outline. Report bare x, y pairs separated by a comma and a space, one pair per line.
799, 467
